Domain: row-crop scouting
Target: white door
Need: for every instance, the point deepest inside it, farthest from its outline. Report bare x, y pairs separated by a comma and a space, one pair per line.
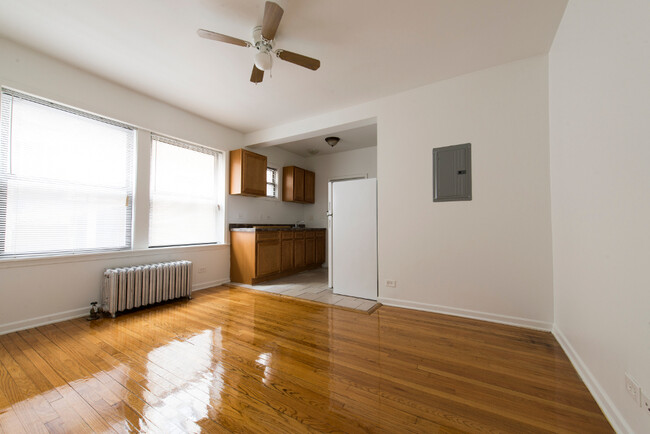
354, 238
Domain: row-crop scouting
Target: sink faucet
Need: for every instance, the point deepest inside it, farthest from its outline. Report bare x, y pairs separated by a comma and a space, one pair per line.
298, 223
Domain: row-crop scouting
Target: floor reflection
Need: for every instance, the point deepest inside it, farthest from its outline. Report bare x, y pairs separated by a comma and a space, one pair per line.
232, 360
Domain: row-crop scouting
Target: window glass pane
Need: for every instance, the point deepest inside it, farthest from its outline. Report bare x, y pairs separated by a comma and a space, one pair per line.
65, 179
57, 145
271, 182
184, 207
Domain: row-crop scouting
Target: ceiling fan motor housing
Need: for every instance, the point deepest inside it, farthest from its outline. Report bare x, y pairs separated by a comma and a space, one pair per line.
263, 59
263, 39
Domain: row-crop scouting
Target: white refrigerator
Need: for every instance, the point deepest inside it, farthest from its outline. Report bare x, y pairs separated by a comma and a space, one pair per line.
352, 237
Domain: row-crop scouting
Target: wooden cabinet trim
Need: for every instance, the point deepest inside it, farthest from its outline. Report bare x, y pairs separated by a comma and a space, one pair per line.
247, 173
267, 258
298, 185
310, 186
267, 235
259, 256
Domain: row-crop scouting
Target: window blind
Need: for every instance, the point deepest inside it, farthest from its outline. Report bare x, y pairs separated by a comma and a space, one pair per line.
184, 206
66, 179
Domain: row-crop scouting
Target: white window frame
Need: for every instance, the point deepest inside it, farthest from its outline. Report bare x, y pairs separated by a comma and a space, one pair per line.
130, 182
138, 199
219, 186
276, 183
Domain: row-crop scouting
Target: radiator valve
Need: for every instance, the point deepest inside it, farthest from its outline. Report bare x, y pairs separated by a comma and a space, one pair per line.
94, 311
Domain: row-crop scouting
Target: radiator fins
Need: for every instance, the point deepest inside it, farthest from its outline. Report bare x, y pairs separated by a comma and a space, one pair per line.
142, 285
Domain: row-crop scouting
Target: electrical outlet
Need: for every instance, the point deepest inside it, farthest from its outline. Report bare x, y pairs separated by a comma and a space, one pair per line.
645, 403
633, 388
202, 270
391, 283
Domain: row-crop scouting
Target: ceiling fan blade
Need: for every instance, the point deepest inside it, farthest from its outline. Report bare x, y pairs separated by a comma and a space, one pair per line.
257, 75
222, 38
299, 59
272, 16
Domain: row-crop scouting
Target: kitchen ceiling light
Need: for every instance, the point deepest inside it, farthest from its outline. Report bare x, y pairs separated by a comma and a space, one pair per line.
332, 141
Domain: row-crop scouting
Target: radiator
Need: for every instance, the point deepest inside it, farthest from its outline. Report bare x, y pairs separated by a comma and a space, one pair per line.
132, 287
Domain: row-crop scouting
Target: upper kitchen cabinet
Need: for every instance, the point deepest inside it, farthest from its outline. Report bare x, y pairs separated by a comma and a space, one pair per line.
247, 173
297, 185
310, 178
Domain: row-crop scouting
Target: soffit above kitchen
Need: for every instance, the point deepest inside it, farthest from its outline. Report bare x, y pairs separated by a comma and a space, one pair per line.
349, 140
368, 48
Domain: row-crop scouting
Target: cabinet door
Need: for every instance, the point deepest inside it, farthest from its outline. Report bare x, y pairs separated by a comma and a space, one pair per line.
298, 184
268, 258
253, 174
299, 253
310, 251
320, 249
310, 178
287, 255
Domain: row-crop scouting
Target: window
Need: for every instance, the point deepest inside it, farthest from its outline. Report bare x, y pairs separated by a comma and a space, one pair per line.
271, 182
66, 179
185, 193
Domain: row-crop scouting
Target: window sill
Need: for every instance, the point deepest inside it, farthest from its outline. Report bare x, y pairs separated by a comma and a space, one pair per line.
103, 256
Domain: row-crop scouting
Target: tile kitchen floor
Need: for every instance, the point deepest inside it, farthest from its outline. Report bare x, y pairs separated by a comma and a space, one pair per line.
312, 285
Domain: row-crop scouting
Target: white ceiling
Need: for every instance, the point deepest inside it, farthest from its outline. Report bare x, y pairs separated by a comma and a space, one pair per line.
368, 48
356, 138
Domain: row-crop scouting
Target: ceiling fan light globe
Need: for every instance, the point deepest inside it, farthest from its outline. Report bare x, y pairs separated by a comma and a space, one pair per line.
263, 61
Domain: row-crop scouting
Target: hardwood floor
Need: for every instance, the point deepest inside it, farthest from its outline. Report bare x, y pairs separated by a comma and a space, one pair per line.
237, 360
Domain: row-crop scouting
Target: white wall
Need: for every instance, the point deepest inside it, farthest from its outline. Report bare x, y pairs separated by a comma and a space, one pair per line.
36, 291
600, 156
490, 257
244, 209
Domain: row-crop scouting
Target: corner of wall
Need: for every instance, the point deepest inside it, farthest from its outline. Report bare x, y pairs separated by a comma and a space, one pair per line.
597, 391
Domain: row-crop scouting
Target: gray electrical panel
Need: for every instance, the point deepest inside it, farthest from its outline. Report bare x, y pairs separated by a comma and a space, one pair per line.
452, 173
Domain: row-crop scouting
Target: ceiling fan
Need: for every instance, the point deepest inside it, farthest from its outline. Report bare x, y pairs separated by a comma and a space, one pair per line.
263, 42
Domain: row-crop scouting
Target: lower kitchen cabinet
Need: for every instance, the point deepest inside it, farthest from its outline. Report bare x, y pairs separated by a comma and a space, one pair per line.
320, 247
299, 251
268, 257
310, 248
287, 259
257, 256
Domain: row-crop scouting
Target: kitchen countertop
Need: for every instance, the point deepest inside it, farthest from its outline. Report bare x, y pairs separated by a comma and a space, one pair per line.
238, 227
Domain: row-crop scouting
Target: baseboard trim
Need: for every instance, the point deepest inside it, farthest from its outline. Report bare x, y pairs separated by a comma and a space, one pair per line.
466, 313
211, 284
43, 320
77, 313
602, 398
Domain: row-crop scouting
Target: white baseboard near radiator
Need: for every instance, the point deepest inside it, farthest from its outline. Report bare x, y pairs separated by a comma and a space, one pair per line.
43, 320
466, 313
602, 398
77, 313
206, 285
